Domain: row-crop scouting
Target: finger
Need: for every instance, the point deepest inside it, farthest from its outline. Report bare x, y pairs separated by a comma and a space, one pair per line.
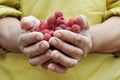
29, 22
63, 59
36, 49
29, 38
82, 21
52, 66
68, 49
57, 68
45, 65
73, 38
40, 59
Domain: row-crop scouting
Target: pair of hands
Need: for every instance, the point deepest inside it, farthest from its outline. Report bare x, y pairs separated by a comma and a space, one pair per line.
69, 47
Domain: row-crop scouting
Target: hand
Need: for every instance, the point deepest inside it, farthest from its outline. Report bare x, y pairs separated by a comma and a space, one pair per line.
71, 47
32, 44
34, 47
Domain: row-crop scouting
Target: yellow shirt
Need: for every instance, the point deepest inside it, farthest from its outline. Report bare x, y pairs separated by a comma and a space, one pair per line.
14, 66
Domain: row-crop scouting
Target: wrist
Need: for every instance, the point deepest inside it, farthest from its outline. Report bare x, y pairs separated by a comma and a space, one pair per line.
95, 37
105, 36
92, 39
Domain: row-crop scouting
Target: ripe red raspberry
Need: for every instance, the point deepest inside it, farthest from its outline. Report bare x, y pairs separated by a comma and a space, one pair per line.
45, 31
60, 20
36, 29
75, 28
71, 21
51, 32
41, 22
63, 26
51, 20
47, 36
58, 14
58, 28
68, 28
44, 26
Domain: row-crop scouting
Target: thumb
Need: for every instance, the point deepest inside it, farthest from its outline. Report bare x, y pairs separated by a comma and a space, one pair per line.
82, 21
28, 23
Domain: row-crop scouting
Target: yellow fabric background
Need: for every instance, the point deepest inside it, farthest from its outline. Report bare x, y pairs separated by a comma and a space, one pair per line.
9, 8
97, 66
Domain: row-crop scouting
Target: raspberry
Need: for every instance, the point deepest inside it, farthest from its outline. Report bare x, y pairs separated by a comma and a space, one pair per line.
47, 36
51, 20
75, 28
37, 29
68, 28
51, 32
71, 21
63, 26
41, 22
45, 31
60, 20
58, 14
44, 26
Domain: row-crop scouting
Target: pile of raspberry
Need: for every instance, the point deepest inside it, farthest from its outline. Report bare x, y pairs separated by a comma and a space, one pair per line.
57, 22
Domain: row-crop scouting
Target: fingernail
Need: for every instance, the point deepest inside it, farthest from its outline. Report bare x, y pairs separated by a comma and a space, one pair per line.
75, 61
38, 37
54, 41
58, 34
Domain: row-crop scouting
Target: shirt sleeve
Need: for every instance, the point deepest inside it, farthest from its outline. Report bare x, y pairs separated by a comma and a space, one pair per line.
10, 8
112, 9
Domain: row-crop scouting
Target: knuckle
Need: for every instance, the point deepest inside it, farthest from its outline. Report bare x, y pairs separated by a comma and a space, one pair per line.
81, 53
71, 64
41, 59
55, 55
22, 40
32, 62
43, 45
75, 53
77, 39
37, 61
27, 53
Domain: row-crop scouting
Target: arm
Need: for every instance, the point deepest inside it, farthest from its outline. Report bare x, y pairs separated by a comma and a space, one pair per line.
106, 36
9, 33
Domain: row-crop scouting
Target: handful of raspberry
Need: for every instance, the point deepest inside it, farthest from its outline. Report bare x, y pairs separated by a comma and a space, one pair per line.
57, 22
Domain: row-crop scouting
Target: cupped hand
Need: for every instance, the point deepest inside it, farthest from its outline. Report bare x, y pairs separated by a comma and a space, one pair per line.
32, 44
71, 47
